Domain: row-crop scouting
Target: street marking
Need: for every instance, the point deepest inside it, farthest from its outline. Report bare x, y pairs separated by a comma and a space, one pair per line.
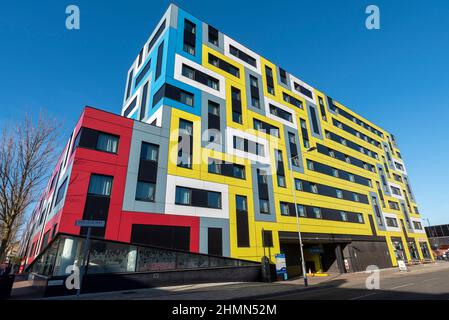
401, 286
430, 279
363, 296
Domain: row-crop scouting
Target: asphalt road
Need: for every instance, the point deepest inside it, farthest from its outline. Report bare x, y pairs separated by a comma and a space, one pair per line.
432, 284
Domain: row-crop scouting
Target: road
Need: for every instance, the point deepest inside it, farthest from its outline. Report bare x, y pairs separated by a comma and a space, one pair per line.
431, 283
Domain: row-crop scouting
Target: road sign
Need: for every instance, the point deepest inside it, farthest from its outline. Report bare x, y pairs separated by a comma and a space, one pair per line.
90, 223
281, 266
402, 266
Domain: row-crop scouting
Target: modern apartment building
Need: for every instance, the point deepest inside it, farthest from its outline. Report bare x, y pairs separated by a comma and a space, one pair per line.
217, 150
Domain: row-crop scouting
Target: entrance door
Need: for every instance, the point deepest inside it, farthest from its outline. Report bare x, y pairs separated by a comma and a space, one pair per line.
413, 251
399, 250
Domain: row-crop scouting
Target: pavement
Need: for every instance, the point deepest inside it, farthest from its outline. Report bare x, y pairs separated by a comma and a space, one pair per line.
427, 281
422, 282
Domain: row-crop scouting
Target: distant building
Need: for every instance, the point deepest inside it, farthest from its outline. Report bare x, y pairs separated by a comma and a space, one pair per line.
438, 236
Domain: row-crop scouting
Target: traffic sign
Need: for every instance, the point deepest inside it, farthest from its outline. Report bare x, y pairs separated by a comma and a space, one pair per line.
90, 223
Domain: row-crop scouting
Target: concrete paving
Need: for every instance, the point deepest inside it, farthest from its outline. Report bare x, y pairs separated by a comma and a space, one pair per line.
428, 281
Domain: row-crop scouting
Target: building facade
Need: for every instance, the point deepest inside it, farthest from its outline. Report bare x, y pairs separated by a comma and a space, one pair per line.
217, 150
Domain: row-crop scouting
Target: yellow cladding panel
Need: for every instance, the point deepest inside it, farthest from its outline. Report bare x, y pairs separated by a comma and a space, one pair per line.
244, 187
205, 62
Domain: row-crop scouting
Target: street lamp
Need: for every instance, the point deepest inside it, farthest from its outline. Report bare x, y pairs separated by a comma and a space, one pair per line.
303, 264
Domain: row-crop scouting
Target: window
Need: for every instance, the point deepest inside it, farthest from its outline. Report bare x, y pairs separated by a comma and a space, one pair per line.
200, 77
281, 181
128, 88
255, 102
292, 100
285, 211
107, 143
313, 188
236, 105
417, 225
356, 197
395, 191
343, 216
283, 75
239, 143
334, 172
303, 90
100, 185
254, 84
214, 108
264, 206
313, 116
160, 55
213, 35
156, 36
185, 143
399, 166
189, 37
339, 193
173, 93
149, 151
183, 196
239, 171
391, 222
223, 65
242, 56
310, 165
265, 127
53, 233
214, 200
262, 176
253, 81
322, 108
237, 117
214, 167
186, 98
240, 203
61, 192
340, 174
226, 169
269, 78
143, 73
197, 197
301, 210
145, 191
248, 146
316, 212
298, 185
278, 112
143, 103
188, 72
140, 57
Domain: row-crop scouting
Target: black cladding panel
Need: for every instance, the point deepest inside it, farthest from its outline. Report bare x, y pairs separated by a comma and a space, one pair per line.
170, 237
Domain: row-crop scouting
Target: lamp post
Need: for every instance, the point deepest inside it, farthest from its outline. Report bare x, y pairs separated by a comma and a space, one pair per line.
303, 264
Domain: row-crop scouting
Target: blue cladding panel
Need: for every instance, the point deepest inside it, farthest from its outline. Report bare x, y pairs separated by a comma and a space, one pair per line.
182, 15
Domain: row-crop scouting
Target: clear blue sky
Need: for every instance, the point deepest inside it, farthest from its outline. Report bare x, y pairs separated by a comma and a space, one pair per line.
398, 77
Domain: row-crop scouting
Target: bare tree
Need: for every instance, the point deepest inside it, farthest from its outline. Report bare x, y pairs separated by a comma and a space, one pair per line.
27, 153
